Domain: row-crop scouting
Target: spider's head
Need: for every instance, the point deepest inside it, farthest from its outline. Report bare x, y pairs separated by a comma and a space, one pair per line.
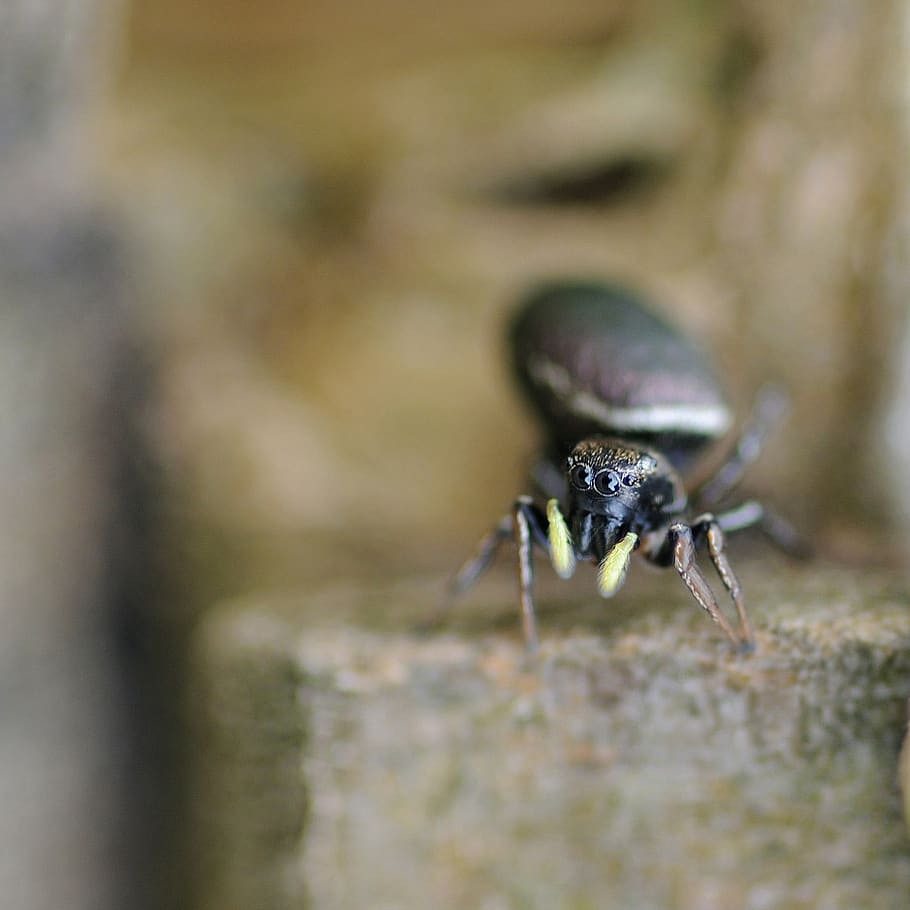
631, 487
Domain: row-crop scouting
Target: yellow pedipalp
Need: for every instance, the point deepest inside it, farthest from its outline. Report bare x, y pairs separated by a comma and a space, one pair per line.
614, 565
562, 555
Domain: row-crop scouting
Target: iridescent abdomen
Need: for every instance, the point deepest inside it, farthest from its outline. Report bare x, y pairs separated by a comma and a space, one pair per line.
594, 359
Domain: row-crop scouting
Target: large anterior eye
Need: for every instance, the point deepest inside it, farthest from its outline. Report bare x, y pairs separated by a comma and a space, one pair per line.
580, 477
606, 482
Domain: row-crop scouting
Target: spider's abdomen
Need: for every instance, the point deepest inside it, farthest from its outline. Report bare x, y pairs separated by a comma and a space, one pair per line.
594, 359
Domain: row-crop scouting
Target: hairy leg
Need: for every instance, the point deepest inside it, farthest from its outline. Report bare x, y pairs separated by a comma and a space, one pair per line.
527, 526
682, 545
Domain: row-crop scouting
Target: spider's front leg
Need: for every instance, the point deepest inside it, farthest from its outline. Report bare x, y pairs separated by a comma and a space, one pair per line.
679, 548
551, 533
527, 525
711, 528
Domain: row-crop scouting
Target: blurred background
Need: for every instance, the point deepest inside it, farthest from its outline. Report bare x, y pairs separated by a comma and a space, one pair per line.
335, 205
254, 266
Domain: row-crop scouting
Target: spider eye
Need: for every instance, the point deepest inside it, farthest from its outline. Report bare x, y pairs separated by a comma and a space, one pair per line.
580, 477
629, 480
606, 482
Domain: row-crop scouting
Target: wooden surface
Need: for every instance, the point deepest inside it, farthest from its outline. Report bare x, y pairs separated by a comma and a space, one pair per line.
635, 762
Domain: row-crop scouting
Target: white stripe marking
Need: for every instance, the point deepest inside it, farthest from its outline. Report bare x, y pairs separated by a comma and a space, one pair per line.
708, 419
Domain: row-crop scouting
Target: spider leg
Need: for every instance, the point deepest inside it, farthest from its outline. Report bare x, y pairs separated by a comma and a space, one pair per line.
714, 534
679, 548
522, 515
770, 406
775, 527
683, 546
481, 559
526, 525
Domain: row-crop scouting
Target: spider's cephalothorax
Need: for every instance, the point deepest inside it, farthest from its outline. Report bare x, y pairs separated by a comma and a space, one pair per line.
626, 404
